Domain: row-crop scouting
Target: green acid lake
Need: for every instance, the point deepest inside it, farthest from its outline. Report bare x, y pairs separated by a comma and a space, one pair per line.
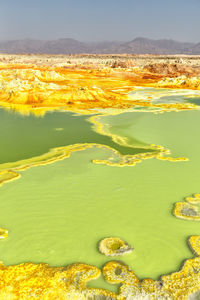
57, 213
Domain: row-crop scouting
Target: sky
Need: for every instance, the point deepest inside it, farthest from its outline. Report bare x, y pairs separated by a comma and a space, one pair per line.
100, 20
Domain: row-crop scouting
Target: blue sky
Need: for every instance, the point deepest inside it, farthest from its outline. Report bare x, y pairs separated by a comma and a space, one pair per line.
100, 20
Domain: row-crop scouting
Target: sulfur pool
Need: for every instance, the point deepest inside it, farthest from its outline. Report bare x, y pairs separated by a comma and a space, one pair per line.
57, 213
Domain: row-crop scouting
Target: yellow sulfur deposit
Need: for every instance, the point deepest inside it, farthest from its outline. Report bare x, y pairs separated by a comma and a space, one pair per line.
31, 281
189, 209
187, 281
180, 81
7, 175
42, 87
114, 246
176, 286
36, 89
3, 233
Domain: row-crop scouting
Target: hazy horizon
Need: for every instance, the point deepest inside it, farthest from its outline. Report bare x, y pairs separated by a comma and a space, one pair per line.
100, 41
89, 20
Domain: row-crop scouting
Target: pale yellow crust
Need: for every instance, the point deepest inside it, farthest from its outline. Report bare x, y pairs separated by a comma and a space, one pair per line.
188, 209
114, 246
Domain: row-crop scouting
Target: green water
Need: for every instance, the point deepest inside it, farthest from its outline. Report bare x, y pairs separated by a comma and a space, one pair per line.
57, 213
28, 136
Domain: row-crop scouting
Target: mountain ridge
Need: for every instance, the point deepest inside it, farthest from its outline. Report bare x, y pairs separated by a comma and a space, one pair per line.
139, 45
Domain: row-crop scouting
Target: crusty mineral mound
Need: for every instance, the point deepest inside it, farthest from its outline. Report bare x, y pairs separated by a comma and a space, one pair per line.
172, 69
114, 246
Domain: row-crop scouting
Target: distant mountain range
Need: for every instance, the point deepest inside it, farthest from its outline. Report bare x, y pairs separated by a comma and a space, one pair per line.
71, 46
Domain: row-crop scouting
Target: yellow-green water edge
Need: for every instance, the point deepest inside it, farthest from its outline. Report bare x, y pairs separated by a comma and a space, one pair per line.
57, 213
23, 137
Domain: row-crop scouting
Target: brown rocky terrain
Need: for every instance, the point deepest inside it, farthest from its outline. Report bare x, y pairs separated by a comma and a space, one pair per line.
138, 45
161, 64
154, 65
